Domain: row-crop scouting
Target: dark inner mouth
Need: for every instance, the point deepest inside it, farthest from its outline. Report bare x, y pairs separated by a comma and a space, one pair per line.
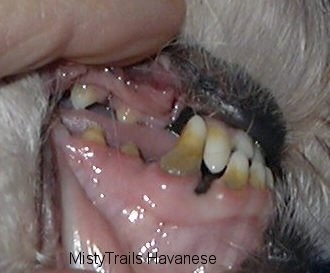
136, 147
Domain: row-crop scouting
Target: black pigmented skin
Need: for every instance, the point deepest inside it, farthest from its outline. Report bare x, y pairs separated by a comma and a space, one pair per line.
207, 179
227, 92
181, 121
257, 114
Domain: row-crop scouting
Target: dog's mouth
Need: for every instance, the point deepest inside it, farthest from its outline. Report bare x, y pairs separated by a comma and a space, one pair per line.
154, 175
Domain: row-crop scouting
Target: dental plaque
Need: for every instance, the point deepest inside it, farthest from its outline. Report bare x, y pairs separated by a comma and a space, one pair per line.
198, 144
163, 161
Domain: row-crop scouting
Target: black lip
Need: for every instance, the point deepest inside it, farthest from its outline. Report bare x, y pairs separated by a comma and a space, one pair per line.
227, 92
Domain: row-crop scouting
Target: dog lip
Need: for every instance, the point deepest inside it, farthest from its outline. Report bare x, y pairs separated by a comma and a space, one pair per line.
227, 92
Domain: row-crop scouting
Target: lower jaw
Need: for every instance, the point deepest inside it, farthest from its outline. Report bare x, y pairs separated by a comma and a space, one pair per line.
105, 225
87, 231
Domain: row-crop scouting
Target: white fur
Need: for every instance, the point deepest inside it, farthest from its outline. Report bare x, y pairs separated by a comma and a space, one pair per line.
285, 46
23, 106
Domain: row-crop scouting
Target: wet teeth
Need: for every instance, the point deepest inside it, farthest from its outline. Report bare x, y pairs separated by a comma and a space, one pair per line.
217, 147
186, 156
257, 175
243, 143
94, 134
130, 149
236, 175
82, 96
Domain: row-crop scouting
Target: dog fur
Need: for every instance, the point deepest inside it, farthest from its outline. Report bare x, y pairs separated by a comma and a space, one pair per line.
282, 44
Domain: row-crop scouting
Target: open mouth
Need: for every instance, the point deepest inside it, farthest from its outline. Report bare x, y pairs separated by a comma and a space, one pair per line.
152, 177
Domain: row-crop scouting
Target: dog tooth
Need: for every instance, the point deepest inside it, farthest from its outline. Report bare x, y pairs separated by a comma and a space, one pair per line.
243, 142
257, 156
257, 175
130, 149
269, 178
95, 134
82, 96
237, 173
186, 156
217, 147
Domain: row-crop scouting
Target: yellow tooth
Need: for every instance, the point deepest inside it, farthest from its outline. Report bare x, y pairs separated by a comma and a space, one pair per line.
82, 96
186, 156
218, 147
130, 149
237, 173
94, 134
126, 114
257, 175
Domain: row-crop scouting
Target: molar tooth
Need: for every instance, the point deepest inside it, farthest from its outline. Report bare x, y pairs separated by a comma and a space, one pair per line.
95, 134
82, 96
237, 173
186, 156
257, 175
217, 147
243, 142
130, 149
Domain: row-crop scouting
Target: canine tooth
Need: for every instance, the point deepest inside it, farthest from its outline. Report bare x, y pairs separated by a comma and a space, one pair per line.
186, 156
82, 96
130, 149
269, 178
257, 175
243, 142
126, 114
217, 147
94, 134
237, 173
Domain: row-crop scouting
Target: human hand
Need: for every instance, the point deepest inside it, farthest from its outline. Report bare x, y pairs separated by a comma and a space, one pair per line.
37, 32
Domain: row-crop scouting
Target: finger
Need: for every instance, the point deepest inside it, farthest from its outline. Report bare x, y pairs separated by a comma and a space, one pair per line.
36, 32
63, 271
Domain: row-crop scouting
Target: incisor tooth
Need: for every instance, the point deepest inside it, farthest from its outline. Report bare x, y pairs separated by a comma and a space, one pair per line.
82, 96
217, 147
130, 149
186, 156
257, 175
243, 143
94, 134
237, 173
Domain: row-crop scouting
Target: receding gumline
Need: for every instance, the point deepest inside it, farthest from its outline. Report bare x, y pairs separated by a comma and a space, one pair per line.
175, 125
